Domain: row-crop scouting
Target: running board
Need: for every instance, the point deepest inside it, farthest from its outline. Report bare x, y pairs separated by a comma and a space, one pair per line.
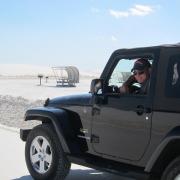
105, 165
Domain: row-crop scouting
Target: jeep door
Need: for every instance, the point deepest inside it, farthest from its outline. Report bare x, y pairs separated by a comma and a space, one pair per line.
121, 125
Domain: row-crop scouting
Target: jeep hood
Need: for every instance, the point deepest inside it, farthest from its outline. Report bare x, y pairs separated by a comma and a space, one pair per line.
81, 99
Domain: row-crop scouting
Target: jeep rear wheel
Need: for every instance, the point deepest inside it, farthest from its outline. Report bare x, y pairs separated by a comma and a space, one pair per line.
44, 155
172, 172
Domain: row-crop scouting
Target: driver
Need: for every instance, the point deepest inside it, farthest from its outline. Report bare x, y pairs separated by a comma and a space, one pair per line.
141, 74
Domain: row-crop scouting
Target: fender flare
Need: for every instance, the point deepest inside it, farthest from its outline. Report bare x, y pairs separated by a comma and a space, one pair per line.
159, 151
46, 114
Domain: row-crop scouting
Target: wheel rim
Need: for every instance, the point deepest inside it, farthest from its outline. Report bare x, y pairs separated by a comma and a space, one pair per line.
177, 177
41, 154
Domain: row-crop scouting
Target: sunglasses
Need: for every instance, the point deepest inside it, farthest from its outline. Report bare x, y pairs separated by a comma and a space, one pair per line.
138, 72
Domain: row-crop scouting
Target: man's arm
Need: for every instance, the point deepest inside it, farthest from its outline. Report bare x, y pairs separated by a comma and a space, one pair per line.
126, 87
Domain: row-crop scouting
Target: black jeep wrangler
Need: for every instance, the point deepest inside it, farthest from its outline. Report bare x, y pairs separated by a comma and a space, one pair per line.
131, 134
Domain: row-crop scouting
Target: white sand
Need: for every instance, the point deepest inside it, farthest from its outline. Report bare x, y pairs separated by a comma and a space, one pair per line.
13, 164
30, 88
17, 95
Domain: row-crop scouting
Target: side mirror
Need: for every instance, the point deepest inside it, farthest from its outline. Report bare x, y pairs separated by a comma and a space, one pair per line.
96, 86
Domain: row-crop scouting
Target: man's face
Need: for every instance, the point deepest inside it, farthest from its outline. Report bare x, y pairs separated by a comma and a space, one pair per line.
141, 76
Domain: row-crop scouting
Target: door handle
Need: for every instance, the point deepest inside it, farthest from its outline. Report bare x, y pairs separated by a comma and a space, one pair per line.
140, 109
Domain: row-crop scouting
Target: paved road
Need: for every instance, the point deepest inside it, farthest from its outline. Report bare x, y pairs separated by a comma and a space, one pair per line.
13, 165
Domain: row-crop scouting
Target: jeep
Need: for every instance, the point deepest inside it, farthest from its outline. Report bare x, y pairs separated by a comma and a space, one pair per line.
134, 135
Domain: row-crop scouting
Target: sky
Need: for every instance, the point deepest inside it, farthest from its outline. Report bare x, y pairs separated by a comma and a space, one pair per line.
82, 33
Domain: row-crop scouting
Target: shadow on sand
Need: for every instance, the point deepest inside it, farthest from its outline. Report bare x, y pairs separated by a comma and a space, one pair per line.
57, 86
79, 174
61, 86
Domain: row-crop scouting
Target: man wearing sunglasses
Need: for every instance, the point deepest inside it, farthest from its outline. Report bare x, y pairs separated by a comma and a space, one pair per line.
141, 74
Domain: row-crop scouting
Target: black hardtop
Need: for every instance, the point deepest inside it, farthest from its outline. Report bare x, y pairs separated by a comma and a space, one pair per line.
146, 48
133, 51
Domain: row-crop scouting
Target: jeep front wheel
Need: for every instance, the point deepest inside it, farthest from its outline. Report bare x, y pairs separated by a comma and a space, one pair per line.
44, 155
172, 172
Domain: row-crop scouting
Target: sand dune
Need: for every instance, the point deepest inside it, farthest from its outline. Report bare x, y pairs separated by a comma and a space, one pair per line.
17, 70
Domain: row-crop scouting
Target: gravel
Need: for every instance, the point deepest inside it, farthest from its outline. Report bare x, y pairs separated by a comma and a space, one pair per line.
12, 110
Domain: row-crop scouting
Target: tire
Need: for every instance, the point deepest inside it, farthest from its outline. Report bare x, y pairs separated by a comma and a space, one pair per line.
44, 155
172, 172
153, 177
